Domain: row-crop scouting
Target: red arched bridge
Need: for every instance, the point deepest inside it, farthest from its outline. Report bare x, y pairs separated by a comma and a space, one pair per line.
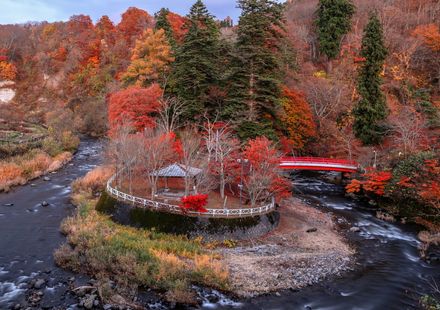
320, 164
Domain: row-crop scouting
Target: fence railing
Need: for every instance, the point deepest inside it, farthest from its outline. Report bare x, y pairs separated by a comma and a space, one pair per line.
176, 209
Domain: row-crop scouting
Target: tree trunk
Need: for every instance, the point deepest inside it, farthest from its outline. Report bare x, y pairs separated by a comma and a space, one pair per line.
329, 66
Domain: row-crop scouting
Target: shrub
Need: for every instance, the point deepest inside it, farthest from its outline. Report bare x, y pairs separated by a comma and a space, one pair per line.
69, 142
51, 146
194, 203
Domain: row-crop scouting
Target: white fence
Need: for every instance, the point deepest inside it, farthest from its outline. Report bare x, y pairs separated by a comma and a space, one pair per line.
175, 209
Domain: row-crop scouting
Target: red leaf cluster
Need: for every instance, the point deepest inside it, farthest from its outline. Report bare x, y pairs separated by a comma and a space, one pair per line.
177, 23
375, 182
135, 104
134, 21
194, 203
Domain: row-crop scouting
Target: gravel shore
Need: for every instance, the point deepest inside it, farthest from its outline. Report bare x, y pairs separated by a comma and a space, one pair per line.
303, 250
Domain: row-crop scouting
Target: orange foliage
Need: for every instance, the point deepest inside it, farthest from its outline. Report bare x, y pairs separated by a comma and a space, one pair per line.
177, 23
355, 186
9, 171
430, 34
104, 26
38, 164
60, 54
8, 71
376, 182
135, 104
298, 118
134, 21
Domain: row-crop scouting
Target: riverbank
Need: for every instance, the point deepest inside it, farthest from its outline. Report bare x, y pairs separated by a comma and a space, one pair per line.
29, 230
19, 170
304, 249
132, 258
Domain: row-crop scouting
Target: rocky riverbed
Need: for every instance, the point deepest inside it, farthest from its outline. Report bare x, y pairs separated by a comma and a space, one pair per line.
304, 249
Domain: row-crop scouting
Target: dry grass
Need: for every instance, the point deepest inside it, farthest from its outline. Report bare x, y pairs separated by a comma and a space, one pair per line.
94, 181
20, 169
133, 257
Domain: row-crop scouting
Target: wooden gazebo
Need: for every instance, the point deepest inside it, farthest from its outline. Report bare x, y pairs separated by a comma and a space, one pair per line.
173, 176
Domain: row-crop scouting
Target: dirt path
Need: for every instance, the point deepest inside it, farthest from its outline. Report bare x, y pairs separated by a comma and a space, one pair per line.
304, 249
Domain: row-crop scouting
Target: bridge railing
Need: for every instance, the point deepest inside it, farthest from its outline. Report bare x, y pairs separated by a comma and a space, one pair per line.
319, 160
176, 209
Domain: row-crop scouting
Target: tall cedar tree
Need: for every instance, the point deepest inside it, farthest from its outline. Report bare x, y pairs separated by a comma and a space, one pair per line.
333, 22
371, 108
195, 67
255, 77
162, 22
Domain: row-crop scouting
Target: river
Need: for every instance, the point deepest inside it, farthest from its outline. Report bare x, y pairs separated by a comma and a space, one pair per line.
389, 274
30, 232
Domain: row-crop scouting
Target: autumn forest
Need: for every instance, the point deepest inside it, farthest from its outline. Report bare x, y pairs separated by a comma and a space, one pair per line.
354, 80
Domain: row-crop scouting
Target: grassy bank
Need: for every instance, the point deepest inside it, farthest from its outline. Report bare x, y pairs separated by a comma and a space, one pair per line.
28, 151
18, 170
129, 257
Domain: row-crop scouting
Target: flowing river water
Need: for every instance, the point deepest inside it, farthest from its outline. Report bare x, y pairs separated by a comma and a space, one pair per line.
389, 273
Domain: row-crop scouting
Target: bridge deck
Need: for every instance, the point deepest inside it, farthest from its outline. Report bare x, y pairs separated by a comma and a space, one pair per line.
319, 164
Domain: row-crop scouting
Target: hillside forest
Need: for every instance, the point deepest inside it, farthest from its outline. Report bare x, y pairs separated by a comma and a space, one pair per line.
357, 79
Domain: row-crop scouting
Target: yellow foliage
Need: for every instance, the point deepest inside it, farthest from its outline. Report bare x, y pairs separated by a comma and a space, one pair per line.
320, 74
151, 59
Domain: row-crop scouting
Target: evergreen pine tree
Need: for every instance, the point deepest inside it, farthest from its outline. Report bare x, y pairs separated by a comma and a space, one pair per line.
333, 22
371, 108
195, 69
162, 22
255, 69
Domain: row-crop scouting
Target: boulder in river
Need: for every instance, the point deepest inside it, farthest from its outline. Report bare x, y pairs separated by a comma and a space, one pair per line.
44, 204
46, 179
8, 204
355, 229
39, 284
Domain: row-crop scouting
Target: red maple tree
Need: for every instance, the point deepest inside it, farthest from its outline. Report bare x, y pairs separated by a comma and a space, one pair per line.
194, 203
263, 180
134, 21
135, 104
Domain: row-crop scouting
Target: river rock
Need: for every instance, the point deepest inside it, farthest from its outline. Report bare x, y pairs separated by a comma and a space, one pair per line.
355, 229
89, 301
311, 230
46, 179
8, 204
17, 307
44, 204
39, 284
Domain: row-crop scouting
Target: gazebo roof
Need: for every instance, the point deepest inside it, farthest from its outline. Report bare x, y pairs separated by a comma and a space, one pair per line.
177, 171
